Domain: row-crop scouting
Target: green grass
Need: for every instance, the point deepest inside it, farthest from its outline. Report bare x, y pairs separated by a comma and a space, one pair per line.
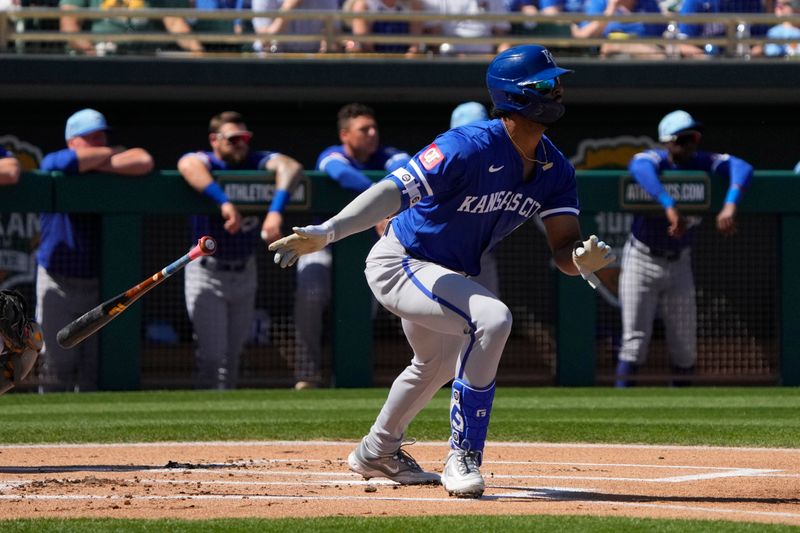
689, 416
448, 524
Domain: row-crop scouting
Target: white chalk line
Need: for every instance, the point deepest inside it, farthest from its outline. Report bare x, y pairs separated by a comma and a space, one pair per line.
527, 495
489, 444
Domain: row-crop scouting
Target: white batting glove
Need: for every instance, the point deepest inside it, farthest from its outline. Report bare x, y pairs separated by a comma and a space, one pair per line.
305, 240
590, 256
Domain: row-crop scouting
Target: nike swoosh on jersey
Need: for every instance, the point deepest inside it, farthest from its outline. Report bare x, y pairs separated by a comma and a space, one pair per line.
493, 168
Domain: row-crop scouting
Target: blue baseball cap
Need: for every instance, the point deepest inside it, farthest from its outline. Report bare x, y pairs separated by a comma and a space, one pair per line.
466, 113
674, 123
83, 122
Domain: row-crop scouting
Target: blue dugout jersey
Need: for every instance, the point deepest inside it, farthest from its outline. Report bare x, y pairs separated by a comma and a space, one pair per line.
646, 167
598, 7
240, 245
70, 242
465, 192
349, 173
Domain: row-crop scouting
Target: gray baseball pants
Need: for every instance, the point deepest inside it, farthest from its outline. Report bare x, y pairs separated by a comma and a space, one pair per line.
221, 306
649, 284
455, 327
59, 301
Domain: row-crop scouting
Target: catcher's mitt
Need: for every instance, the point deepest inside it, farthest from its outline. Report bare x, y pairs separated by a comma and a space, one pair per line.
22, 339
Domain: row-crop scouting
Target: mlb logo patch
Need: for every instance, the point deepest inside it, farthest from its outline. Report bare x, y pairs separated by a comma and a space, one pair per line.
431, 157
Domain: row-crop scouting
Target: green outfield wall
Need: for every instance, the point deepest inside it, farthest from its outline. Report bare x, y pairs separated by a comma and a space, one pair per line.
123, 202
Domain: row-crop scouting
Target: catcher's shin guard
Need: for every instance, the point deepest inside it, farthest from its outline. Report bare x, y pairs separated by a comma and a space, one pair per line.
469, 417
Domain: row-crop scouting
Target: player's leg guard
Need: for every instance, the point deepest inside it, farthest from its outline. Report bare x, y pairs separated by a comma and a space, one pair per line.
624, 370
469, 416
469, 421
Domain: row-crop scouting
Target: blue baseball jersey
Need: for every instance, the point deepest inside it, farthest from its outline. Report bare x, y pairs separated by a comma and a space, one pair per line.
646, 166
689, 7
5, 153
465, 192
240, 245
70, 244
348, 172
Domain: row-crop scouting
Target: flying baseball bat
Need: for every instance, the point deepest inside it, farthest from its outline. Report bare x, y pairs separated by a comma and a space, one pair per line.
80, 328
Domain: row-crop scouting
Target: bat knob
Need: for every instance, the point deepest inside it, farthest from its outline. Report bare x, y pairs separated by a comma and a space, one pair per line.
207, 245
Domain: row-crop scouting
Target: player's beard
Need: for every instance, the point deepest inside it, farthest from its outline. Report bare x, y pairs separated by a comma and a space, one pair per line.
235, 157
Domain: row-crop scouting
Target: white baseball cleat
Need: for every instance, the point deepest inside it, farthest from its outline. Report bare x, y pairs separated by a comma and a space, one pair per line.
400, 467
461, 477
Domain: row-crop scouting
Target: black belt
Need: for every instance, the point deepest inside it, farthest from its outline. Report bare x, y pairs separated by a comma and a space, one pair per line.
669, 255
223, 266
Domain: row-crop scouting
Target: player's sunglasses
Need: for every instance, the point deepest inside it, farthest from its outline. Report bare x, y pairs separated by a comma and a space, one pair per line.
686, 138
544, 87
236, 137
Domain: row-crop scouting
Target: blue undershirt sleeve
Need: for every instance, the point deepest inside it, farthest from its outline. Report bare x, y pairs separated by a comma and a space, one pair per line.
646, 174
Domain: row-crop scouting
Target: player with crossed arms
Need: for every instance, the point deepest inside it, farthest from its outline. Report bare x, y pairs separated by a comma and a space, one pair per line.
454, 200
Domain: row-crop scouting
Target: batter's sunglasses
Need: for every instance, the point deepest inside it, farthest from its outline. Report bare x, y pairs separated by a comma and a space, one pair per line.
544, 87
236, 137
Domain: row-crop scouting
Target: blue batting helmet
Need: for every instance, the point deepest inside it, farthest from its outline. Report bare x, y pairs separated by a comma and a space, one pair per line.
512, 79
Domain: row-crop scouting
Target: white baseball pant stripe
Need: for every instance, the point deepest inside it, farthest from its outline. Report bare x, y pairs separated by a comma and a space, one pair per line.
455, 327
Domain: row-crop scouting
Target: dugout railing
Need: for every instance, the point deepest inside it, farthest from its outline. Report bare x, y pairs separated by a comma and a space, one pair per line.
39, 26
558, 338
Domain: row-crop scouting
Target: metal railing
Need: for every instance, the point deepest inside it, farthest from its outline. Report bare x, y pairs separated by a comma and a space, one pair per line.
14, 29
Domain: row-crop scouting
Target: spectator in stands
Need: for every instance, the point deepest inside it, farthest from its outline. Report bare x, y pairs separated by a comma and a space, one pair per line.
220, 26
360, 151
132, 24
69, 254
467, 27
619, 31
220, 290
272, 28
656, 262
785, 30
714, 29
9, 168
362, 26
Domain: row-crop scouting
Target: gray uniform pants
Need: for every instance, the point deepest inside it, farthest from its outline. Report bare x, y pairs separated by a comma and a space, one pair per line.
455, 327
649, 284
314, 294
221, 306
59, 301
311, 298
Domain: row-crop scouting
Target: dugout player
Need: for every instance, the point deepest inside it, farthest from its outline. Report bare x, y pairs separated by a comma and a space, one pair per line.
456, 199
220, 290
656, 262
345, 163
69, 255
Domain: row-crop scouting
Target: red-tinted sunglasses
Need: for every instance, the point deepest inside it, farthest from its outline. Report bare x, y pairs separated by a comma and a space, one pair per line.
236, 137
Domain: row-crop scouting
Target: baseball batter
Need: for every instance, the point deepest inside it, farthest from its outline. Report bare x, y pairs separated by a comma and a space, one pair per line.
220, 291
656, 261
456, 199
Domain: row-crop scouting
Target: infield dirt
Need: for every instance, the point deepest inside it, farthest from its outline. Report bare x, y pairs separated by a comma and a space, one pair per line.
307, 479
